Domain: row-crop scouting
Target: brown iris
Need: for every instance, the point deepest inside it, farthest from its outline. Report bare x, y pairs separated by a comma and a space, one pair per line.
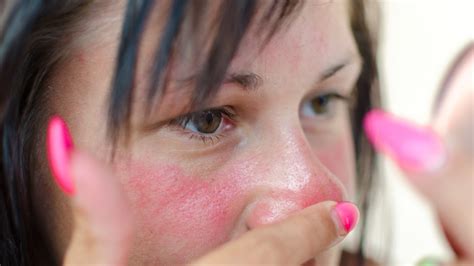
206, 122
320, 104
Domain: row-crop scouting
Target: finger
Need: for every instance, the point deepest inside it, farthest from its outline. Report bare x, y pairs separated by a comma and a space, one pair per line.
294, 240
454, 123
441, 175
102, 227
439, 160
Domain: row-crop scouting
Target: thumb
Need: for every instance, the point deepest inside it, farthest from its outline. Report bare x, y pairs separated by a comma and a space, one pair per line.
102, 225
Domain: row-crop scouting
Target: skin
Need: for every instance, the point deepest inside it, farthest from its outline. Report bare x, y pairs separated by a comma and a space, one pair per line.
186, 196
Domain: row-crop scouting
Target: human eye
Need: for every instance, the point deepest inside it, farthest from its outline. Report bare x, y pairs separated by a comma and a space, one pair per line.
208, 125
322, 105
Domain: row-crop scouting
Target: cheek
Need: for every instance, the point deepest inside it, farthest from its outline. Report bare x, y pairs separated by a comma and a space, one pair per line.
338, 158
185, 215
181, 216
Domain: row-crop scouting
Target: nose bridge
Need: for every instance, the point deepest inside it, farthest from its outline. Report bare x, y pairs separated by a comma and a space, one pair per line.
294, 162
296, 180
297, 168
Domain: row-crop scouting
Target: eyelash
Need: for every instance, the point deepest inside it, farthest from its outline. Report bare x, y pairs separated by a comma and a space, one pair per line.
338, 96
328, 101
226, 114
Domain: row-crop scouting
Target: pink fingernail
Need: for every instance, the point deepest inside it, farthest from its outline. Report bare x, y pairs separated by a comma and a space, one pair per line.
59, 147
347, 216
414, 148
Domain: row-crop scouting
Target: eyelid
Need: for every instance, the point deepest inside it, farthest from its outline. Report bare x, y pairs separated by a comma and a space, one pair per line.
332, 97
336, 93
182, 120
226, 114
226, 110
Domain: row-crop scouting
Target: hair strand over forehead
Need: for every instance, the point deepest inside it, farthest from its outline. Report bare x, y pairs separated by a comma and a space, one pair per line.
232, 23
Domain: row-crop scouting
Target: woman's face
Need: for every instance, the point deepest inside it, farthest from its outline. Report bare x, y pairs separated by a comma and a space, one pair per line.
276, 141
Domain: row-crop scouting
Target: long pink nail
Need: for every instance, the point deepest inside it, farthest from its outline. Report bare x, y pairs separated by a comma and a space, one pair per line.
59, 147
414, 148
346, 215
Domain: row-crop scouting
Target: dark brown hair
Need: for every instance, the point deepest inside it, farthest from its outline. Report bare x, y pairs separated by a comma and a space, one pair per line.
32, 38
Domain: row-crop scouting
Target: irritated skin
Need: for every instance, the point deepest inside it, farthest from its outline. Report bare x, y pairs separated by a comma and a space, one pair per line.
188, 196
183, 210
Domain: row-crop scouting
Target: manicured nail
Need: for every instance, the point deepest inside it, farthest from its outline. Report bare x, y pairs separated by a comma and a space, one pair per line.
414, 148
59, 147
346, 216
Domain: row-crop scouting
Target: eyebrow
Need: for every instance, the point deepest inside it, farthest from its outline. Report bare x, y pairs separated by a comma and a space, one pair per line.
250, 81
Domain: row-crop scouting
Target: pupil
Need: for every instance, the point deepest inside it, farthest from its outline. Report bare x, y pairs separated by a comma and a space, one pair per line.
320, 104
207, 122
209, 118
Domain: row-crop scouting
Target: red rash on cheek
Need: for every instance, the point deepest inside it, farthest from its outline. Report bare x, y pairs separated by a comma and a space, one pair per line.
182, 216
185, 215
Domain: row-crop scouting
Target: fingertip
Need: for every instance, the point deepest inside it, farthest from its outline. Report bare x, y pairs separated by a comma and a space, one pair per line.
346, 216
87, 169
81, 163
95, 181
414, 148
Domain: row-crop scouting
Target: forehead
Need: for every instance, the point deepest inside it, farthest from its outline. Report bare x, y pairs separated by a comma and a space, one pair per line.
319, 29
318, 36
319, 33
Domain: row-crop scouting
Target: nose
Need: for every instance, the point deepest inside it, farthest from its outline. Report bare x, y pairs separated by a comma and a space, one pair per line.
295, 180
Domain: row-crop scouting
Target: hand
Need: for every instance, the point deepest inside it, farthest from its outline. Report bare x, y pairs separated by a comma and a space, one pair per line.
296, 240
439, 159
103, 229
